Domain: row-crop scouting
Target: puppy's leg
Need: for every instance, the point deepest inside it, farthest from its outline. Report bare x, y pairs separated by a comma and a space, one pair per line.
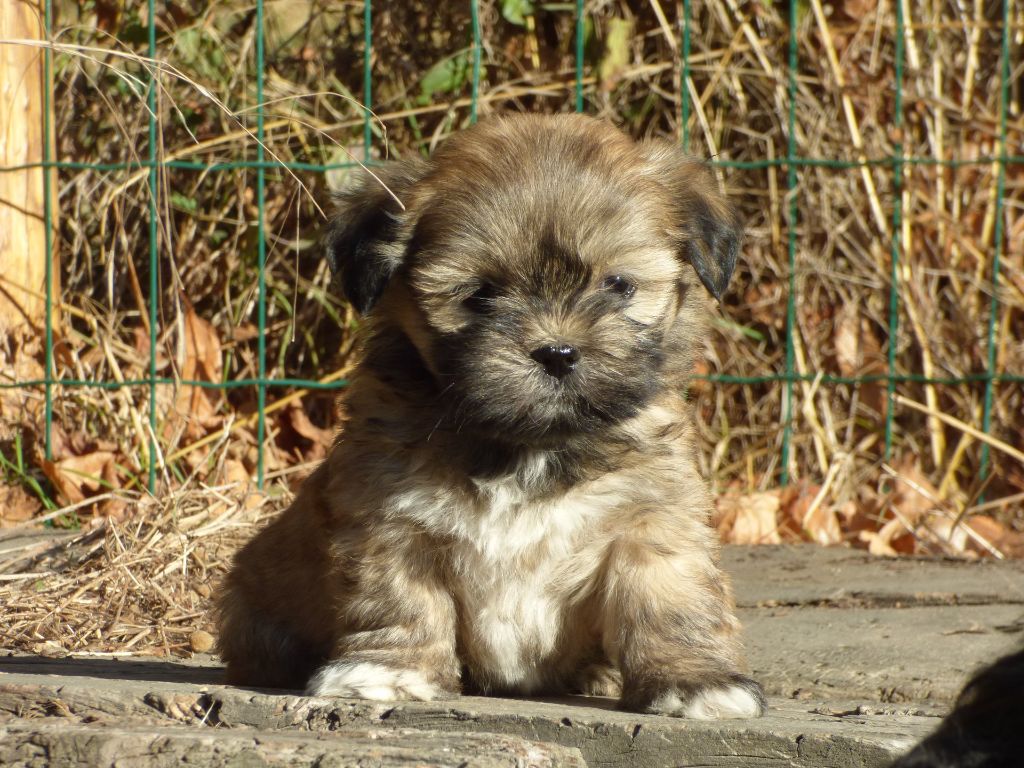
260, 652
669, 621
399, 641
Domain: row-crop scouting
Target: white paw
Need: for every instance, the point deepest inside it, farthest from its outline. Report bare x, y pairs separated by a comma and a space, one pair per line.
724, 703
364, 680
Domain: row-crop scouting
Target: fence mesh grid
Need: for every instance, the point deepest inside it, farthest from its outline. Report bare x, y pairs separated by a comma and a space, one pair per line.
792, 163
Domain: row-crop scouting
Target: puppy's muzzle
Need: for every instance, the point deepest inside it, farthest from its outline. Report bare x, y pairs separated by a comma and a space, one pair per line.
559, 360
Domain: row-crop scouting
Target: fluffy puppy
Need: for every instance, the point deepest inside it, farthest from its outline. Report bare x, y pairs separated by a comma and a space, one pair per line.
513, 503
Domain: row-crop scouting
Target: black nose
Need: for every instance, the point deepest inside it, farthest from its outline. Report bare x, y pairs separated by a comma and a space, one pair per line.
558, 359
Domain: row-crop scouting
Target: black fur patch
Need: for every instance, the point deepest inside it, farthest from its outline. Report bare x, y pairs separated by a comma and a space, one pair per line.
353, 248
363, 244
395, 361
984, 728
713, 252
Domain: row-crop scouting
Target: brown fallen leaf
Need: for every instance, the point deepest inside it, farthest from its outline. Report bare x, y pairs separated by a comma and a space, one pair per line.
235, 473
857, 516
748, 519
800, 520
858, 353
912, 494
17, 505
890, 540
196, 406
794, 501
78, 477
858, 9
200, 641
821, 525
321, 438
1006, 540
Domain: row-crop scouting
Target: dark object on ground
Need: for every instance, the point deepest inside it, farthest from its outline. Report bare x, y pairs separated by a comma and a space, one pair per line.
985, 728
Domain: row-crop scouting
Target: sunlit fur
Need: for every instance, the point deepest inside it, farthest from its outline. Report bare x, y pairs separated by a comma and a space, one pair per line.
481, 525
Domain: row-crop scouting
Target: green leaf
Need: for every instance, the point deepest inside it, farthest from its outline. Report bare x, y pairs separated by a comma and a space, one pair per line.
516, 11
445, 76
731, 326
616, 50
184, 202
187, 42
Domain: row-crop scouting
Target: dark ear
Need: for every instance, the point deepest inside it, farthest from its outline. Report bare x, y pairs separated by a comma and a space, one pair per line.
366, 240
707, 224
715, 240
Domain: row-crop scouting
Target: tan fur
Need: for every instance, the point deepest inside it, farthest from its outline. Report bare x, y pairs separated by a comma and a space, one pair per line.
480, 525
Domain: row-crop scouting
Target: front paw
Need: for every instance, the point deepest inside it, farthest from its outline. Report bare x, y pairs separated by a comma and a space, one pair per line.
366, 680
736, 698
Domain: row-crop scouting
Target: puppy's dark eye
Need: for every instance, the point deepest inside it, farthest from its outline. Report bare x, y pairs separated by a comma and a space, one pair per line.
620, 285
482, 299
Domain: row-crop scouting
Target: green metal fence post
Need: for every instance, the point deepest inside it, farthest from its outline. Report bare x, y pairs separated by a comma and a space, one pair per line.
474, 13
580, 29
993, 318
791, 182
897, 225
154, 293
261, 428
367, 78
48, 223
684, 91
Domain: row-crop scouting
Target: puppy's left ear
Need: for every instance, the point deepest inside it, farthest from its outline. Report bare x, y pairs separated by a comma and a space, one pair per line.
706, 224
367, 239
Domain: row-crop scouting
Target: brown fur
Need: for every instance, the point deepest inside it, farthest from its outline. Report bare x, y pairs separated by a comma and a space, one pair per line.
480, 524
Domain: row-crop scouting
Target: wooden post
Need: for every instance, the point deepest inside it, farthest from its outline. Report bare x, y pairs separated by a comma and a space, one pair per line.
23, 252
23, 248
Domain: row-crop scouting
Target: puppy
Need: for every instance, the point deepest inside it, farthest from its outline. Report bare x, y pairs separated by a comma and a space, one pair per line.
984, 728
513, 503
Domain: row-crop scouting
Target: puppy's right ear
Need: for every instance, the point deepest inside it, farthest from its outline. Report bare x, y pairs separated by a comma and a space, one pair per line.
708, 226
367, 238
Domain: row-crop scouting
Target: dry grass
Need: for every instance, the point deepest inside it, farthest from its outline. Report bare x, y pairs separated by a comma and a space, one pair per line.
141, 584
926, 498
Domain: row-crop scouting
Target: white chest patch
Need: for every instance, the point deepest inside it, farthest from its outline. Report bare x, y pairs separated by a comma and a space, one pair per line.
514, 559
510, 625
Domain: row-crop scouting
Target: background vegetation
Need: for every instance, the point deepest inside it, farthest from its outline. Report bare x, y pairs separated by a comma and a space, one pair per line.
956, 211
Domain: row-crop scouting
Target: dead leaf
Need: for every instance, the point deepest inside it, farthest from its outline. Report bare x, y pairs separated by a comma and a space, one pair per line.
200, 361
235, 473
858, 9
891, 540
300, 421
748, 519
859, 353
821, 525
116, 506
913, 494
244, 332
200, 641
1006, 540
857, 516
17, 505
800, 520
944, 531
78, 477
794, 501
141, 343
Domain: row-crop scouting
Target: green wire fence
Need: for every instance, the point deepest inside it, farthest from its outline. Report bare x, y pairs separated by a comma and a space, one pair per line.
793, 162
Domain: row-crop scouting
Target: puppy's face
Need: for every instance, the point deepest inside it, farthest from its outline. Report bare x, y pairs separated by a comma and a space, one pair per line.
546, 270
